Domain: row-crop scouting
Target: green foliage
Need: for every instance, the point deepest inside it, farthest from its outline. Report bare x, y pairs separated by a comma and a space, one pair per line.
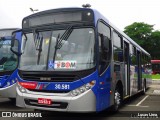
146, 37
155, 48
156, 77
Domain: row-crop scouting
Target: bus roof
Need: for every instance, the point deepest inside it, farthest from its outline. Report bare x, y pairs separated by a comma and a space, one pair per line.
4, 32
3, 29
56, 10
97, 16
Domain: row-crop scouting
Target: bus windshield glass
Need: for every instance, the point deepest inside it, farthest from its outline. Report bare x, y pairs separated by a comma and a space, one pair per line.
8, 60
7, 32
60, 50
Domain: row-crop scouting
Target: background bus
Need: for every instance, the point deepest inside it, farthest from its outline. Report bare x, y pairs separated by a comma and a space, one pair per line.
8, 63
155, 66
74, 59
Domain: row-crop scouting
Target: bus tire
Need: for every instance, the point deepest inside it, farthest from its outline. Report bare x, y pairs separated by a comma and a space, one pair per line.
117, 100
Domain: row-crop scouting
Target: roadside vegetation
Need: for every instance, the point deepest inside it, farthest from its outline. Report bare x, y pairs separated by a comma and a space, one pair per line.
156, 77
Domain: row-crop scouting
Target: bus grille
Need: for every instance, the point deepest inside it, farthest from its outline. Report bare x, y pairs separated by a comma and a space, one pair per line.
49, 77
61, 105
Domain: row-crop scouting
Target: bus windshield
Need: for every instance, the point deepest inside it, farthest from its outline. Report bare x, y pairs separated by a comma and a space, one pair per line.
6, 32
71, 49
8, 60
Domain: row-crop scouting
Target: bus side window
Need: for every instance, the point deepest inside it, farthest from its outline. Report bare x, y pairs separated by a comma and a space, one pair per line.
104, 35
118, 47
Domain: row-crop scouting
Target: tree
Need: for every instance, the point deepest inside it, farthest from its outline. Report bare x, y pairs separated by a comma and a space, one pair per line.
146, 37
155, 48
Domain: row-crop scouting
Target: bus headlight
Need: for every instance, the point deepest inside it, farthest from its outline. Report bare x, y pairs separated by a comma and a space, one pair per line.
83, 88
22, 89
13, 81
75, 92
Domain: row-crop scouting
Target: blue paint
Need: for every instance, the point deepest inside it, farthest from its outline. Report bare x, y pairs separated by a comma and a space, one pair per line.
102, 96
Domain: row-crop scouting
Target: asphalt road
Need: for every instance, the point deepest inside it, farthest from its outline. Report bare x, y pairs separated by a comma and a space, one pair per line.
138, 107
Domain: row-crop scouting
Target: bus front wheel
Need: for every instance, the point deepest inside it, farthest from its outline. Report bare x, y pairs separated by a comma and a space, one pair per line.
117, 100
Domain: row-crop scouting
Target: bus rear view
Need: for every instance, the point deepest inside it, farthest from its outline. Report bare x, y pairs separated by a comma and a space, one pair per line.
8, 64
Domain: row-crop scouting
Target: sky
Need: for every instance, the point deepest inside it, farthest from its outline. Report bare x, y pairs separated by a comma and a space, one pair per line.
119, 12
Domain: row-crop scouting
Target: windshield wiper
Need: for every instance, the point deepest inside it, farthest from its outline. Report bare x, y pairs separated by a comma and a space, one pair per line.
56, 47
65, 36
38, 39
59, 40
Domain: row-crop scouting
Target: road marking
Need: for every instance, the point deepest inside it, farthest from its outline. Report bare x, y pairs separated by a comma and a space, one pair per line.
142, 100
126, 96
137, 106
156, 91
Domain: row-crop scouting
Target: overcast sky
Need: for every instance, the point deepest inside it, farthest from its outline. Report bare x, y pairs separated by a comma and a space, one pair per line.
120, 12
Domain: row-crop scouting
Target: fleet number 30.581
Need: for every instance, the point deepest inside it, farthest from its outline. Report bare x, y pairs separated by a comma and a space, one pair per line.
62, 86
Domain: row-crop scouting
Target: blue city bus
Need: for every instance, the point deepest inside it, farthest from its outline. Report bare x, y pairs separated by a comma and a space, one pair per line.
75, 60
8, 63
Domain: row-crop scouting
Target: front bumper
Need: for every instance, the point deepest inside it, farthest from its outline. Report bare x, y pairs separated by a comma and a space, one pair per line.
9, 92
85, 102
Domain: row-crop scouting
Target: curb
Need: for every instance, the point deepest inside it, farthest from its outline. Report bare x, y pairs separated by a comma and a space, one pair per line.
156, 82
154, 94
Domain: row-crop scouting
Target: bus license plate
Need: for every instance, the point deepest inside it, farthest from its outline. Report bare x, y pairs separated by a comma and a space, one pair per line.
44, 101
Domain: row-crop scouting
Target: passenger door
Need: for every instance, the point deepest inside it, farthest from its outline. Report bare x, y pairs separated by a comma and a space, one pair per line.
139, 70
127, 69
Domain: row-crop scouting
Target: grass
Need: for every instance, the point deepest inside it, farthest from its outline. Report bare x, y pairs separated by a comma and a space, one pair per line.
156, 77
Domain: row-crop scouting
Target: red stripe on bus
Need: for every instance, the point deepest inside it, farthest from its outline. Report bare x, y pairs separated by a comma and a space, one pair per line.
28, 85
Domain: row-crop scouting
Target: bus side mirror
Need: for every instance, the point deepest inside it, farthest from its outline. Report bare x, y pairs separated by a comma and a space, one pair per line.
14, 46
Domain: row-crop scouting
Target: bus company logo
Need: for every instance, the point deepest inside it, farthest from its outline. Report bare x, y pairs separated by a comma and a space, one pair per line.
45, 85
45, 78
65, 64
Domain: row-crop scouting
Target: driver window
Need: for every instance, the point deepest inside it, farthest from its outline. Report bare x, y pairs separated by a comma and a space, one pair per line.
104, 32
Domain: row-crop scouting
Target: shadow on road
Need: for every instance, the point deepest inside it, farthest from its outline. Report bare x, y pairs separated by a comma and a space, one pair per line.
9, 105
